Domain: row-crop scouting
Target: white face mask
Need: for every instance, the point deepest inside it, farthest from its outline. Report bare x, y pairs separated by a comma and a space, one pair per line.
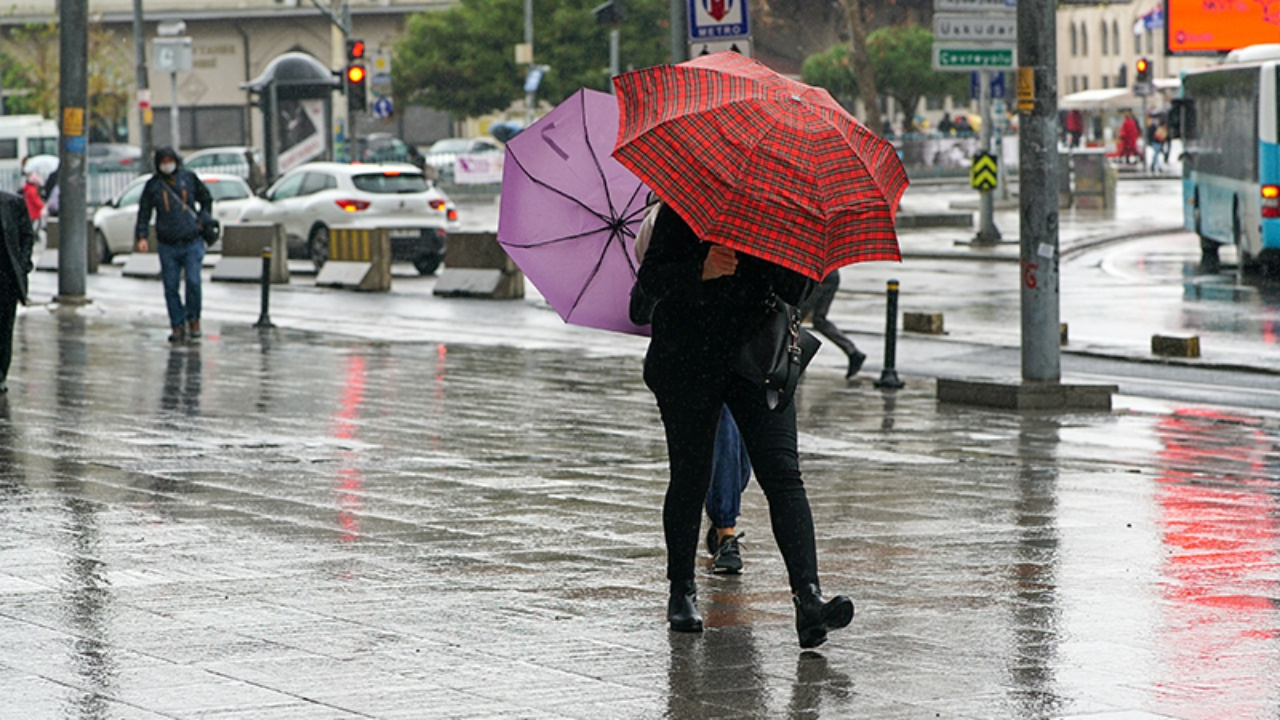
168, 168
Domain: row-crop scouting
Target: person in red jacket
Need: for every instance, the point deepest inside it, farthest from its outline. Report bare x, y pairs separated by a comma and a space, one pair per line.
1129, 135
31, 193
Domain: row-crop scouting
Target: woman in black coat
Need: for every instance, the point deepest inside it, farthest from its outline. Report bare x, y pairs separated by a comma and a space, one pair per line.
708, 299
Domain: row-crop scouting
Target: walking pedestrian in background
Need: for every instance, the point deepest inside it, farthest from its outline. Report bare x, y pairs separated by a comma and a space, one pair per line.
819, 303
19, 238
178, 199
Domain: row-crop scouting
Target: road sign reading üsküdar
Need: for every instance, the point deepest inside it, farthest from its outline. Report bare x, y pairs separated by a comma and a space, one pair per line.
974, 34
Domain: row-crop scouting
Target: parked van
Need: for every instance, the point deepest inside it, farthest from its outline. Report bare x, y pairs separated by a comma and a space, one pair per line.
25, 135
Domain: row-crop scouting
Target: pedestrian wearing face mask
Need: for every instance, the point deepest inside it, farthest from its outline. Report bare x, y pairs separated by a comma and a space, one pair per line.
178, 199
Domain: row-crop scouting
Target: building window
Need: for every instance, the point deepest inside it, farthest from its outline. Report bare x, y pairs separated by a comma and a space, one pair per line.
1137, 43
1115, 36
1150, 35
933, 102
1105, 37
1084, 39
204, 126
1075, 49
1084, 82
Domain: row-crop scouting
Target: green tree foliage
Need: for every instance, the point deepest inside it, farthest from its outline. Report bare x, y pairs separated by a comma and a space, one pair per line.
902, 58
29, 62
462, 60
832, 70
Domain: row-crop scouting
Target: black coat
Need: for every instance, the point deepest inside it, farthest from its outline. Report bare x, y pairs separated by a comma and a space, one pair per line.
699, 326
176, 199
19, 238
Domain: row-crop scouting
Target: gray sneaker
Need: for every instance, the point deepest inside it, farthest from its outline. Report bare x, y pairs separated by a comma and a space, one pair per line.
728, 557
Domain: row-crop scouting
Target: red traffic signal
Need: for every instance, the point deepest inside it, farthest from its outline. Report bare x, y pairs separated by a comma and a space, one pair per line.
355, 49
1143, 67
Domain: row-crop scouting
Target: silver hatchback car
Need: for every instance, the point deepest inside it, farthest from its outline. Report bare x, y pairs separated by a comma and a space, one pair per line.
316, 197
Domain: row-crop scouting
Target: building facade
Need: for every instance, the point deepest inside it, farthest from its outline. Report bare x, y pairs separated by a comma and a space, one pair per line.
232, 41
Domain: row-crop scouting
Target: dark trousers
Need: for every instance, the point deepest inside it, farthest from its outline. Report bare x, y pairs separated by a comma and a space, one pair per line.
820, 304
691, 417
8, 312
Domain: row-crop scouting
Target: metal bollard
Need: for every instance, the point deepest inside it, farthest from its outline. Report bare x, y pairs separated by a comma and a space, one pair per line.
889, 376
264, 318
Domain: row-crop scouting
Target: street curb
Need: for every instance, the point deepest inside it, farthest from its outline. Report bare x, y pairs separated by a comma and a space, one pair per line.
1074, 247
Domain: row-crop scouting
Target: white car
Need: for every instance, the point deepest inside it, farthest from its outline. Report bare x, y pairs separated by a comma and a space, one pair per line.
114, 222
313, 198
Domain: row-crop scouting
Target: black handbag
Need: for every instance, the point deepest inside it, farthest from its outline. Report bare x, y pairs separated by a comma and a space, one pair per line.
777, 352
210, 228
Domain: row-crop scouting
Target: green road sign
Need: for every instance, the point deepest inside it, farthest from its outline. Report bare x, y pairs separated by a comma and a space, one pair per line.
972, 58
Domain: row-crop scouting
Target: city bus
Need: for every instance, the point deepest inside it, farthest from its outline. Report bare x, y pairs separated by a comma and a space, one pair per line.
1229, 121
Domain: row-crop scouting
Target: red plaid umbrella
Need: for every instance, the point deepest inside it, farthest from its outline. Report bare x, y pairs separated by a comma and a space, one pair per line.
761, 163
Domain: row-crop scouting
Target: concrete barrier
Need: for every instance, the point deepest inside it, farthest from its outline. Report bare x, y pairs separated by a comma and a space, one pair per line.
927, 323
1172, 346
358, 259
242, 245
475, 265
144, 264
48, 259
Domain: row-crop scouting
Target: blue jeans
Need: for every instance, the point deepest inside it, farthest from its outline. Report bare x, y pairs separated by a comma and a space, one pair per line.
175, 260
730, 472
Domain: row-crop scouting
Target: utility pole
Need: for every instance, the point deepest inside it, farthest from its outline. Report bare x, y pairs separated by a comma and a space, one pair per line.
1038, 157
144, 89
339, 16
679, 32
73, 95
988, 233
529, 94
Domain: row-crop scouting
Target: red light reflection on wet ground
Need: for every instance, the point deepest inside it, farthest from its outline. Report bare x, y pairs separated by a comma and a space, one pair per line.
1220, 523
350, 480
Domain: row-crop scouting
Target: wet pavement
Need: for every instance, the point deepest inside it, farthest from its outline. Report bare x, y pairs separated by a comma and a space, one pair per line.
428, 508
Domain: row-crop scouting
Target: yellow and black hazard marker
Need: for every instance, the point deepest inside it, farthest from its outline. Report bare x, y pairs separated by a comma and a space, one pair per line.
983, 175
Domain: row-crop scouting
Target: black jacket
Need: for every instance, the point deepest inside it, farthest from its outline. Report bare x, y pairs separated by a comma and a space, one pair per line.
19, 237
699, 326
165, 195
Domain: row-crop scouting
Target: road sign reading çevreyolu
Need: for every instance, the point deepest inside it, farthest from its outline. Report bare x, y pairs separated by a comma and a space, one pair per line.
972, 58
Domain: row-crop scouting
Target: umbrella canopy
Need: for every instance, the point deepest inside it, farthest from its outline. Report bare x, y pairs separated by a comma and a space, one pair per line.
570, 212
761, 163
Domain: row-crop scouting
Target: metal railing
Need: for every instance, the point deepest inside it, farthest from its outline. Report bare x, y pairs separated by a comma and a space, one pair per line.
102, 185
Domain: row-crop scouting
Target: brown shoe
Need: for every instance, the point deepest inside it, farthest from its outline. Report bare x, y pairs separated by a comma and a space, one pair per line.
178, 335
193, 328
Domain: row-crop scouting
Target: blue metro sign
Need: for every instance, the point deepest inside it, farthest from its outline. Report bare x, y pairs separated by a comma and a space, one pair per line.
710, 19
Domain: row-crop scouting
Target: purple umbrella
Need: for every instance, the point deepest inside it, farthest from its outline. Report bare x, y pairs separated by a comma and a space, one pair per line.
570, 212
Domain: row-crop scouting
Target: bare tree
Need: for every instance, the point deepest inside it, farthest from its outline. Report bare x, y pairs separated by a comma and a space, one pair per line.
862, 72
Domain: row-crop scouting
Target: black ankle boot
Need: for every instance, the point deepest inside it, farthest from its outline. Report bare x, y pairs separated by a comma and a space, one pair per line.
815, 617
682, 607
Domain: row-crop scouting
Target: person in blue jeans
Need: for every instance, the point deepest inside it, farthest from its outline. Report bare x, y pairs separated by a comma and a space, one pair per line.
179, 201
730, 473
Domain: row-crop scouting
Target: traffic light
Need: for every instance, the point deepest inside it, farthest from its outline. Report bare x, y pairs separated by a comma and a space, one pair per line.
1144, 71
356, 88
355, 50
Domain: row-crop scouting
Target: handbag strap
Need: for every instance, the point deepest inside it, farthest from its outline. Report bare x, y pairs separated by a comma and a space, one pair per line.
177, 197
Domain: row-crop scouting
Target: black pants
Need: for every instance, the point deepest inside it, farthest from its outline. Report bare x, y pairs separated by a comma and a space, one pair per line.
819, 303
691, 418
8, 312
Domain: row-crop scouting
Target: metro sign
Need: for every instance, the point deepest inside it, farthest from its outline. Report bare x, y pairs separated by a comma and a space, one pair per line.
709, 19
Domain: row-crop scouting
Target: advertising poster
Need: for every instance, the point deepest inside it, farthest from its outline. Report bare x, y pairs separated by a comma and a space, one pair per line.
300, 125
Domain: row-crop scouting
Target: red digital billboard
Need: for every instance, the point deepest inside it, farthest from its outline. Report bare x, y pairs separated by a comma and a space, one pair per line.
1219, 26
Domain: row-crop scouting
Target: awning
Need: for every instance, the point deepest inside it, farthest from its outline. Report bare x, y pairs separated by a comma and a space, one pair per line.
1118, 98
